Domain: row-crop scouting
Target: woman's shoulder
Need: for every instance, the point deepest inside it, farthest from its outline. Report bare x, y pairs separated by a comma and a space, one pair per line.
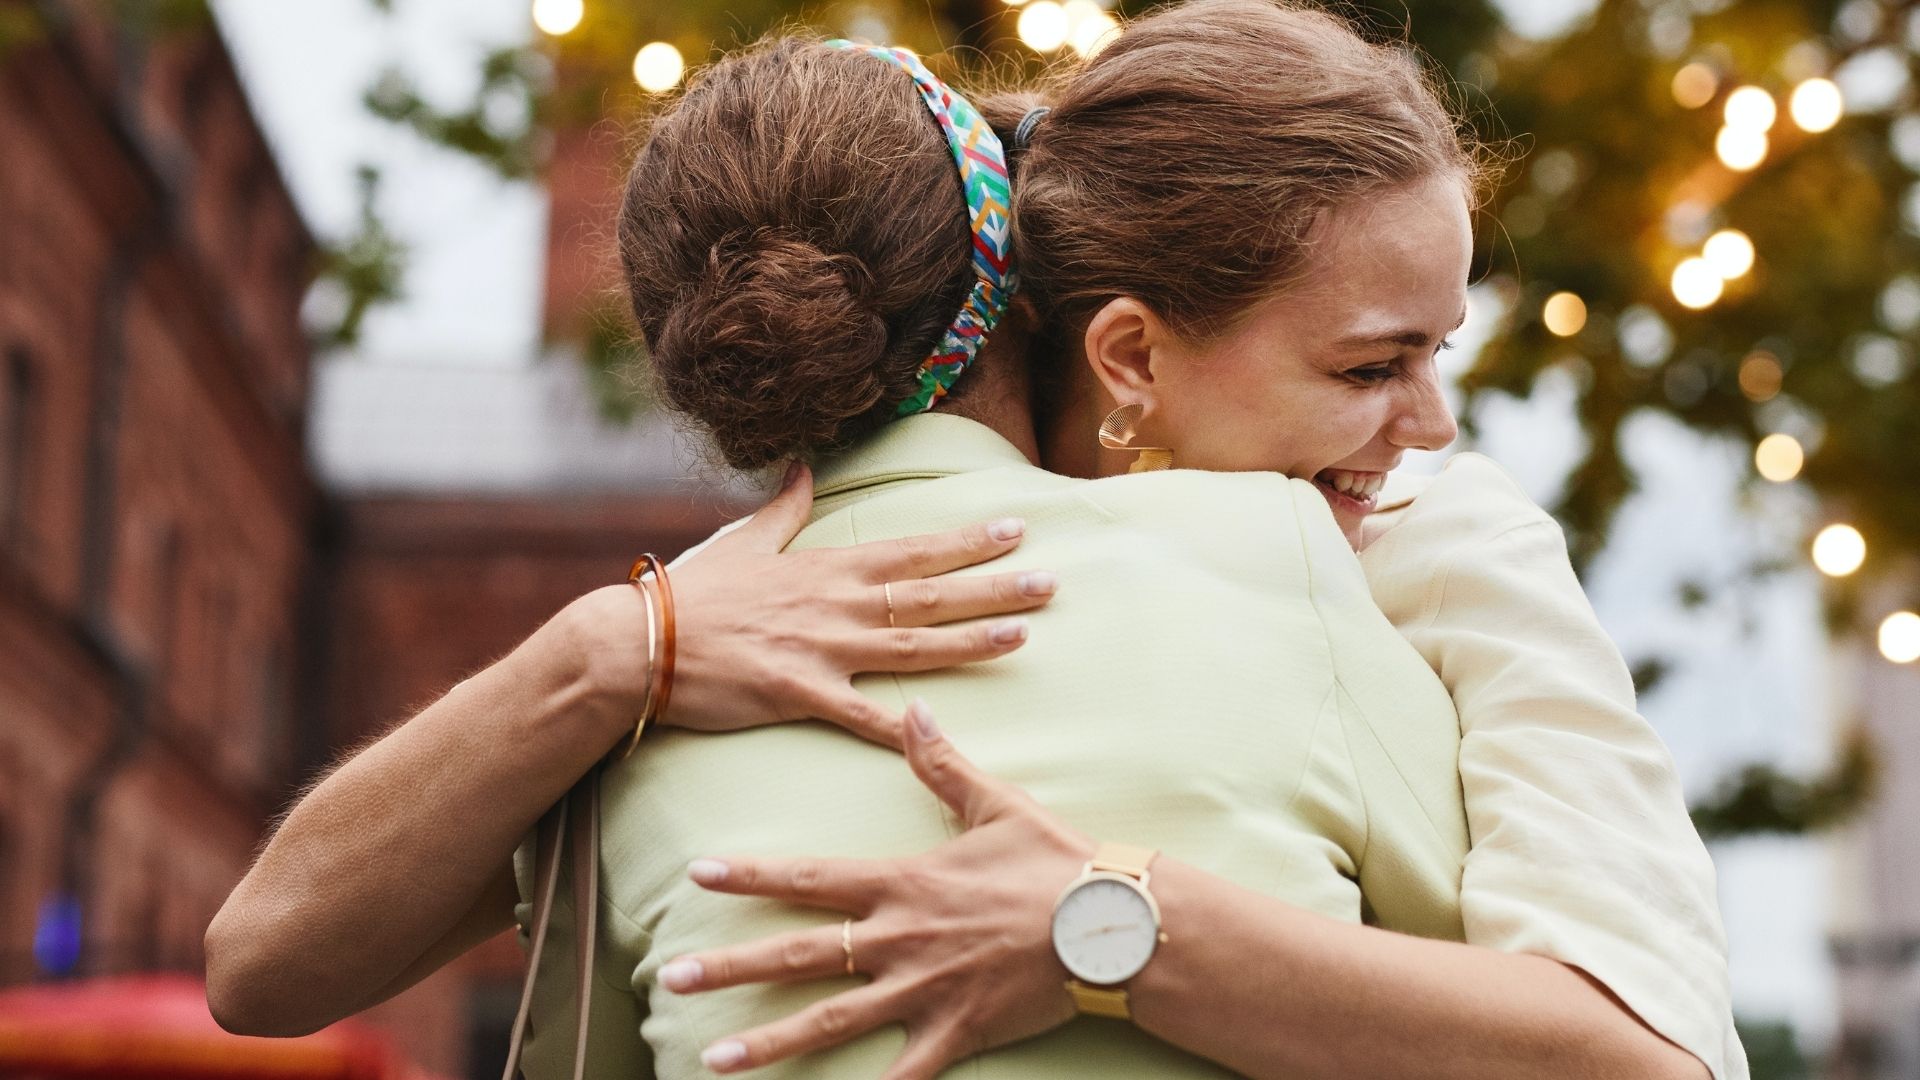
1471, 500
1470, 521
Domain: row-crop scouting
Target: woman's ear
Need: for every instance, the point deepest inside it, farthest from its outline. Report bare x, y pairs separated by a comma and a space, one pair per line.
1126, 347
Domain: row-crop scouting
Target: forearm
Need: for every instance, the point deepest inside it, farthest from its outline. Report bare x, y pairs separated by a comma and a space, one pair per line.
382, 859
1270, 990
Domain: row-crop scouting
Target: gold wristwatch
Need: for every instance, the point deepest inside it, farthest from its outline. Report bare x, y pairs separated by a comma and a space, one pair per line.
1106, 926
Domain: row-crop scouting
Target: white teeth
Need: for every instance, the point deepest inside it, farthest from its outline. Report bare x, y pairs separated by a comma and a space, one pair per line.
1357, 485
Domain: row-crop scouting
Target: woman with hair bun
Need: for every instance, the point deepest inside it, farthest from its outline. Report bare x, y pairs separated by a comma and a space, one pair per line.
1220, 794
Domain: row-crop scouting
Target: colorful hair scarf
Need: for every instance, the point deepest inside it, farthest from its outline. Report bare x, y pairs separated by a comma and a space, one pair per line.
983, 176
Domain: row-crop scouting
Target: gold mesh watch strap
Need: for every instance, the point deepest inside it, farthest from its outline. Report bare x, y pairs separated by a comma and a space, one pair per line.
1100, 1000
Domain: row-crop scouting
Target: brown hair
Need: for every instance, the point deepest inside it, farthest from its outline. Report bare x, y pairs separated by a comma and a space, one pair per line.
794, 238
1187, 163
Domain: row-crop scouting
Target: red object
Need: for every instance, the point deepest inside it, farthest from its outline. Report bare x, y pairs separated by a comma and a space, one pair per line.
157, 1027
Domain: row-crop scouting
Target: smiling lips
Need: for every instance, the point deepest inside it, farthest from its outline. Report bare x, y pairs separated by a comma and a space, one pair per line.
1355, 492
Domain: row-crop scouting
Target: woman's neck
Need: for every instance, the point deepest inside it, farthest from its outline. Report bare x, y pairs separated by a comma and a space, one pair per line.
996, 394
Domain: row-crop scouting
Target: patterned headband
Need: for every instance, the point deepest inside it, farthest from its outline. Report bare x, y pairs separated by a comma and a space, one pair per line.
983, 176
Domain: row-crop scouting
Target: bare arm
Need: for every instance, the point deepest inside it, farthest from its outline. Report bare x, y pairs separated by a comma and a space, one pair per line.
957, 940
1272, 990
386, 855
394, 863
491, 913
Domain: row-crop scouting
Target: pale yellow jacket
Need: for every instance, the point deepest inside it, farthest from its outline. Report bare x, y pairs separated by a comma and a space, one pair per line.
1213, 680
1582, 848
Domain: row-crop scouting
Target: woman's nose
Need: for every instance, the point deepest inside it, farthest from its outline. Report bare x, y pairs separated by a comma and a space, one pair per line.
1424, 422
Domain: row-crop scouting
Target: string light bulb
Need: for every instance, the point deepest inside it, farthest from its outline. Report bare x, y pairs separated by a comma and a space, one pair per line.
657, 67
1694, 85
557, 17
1816, 105
1760, 376
1779, 457
1043, 26
1092, 31
1729, 252
1739, 148
1838, 550
1751, 109
1900, 637
1696, 285
1564, 313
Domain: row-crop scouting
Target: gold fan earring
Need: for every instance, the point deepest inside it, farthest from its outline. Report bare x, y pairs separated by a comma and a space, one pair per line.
1117, 432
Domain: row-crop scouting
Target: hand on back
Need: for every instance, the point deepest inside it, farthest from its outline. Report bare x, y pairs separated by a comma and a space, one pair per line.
766, 635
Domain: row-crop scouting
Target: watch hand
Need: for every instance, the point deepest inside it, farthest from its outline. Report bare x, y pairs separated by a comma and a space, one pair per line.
1110, 929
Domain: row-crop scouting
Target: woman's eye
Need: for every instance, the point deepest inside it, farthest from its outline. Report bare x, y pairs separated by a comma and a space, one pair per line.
1379, 373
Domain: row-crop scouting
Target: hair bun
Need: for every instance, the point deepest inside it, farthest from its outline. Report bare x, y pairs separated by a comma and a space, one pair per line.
774, 347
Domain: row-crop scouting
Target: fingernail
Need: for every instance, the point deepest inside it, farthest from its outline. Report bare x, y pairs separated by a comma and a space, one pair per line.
1038, 583
682, 974
1008, 632
922, 718
724, 1055
793, 473
707, 871
1006, 529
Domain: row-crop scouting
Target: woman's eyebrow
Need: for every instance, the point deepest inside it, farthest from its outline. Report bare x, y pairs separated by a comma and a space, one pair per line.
1412, 339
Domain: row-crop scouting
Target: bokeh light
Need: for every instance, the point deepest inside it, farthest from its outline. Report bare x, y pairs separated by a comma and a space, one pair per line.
1092, 31
557, 17
1043, 26
1740, 149
1695, 284
1838, 550
1900, 637
1816, 105
1751, 109
1760, 376
1779, 457
657, 67
1729, 252
1564, 313
1694, 85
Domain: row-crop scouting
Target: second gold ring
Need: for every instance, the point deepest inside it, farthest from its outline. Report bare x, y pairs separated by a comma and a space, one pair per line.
887, 591
846, 944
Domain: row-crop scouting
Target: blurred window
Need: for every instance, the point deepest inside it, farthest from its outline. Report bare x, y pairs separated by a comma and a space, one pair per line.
17, 412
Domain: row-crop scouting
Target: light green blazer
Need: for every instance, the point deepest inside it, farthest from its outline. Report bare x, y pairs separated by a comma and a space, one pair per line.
1212, 680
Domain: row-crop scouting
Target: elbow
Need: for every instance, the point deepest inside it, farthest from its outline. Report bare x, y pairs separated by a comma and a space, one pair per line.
1656, 1057
226, 981
241, 995
1687, 1067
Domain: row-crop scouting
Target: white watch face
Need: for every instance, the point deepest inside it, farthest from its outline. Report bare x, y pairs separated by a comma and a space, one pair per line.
1104, 931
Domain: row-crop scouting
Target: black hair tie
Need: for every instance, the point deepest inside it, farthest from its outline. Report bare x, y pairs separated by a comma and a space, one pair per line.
1024, 130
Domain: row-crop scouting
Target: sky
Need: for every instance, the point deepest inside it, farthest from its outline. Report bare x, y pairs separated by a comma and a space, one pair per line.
451, 390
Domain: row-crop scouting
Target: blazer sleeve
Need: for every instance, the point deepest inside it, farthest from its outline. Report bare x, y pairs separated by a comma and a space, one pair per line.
1582, 848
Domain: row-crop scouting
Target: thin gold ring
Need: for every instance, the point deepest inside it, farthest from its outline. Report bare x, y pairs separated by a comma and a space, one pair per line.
886, 589
846, 944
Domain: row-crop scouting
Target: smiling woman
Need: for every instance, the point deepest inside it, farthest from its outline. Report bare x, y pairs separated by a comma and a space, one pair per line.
1300, 384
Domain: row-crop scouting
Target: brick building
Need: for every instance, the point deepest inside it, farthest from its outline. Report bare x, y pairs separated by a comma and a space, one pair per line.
189, 623
156, 504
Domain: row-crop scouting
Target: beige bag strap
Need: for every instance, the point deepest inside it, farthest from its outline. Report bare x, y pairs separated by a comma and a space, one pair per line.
574, 822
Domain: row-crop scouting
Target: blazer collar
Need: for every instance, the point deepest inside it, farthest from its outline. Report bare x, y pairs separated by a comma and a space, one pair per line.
918, 447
